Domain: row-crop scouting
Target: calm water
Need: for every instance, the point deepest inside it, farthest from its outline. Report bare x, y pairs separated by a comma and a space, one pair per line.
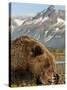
60, 62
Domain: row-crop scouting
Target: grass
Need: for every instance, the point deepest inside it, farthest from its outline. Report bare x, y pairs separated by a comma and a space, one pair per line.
57, 50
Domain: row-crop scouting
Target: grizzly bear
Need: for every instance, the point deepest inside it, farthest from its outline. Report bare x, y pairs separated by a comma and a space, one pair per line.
31, 62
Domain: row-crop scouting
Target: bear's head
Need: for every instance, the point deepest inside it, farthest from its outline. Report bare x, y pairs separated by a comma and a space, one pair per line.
42, 63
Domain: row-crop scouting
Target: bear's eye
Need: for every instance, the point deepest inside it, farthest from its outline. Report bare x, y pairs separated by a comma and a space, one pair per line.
37, 50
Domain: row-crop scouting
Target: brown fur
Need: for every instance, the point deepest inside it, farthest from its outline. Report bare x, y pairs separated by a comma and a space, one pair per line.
30, 57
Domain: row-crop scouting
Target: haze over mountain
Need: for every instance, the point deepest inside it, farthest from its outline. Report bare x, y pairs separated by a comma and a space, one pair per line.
48, 26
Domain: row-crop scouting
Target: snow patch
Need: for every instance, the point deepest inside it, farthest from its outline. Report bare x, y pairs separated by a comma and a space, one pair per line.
12, 28
37, 20
18, 21
59, 20
45, 18
57, 29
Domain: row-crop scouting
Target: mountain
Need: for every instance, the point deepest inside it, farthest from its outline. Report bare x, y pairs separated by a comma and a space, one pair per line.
48, 26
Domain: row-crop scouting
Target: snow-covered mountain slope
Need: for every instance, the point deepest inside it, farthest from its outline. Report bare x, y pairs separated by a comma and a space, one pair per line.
16, 22
48, 26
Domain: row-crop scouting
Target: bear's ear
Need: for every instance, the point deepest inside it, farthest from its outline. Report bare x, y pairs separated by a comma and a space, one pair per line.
36, 50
